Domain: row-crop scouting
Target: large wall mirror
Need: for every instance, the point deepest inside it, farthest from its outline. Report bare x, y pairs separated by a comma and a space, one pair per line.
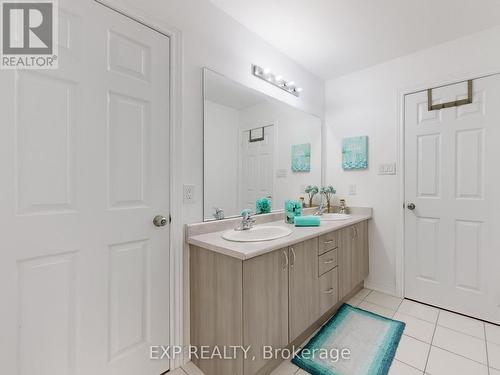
255, 147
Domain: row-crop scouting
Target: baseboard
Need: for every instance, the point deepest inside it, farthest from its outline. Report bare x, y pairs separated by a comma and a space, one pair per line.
391, 290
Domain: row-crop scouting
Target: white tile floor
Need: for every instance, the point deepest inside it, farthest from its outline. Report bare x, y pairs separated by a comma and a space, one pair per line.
435, 342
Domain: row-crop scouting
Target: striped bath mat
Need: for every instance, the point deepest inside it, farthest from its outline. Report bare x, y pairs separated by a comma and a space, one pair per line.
353, 342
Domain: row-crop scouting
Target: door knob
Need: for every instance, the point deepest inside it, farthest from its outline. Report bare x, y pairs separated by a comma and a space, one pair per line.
411, 206
160, 221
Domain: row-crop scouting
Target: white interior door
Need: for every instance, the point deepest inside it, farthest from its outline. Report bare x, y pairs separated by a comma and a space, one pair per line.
452, 241
257, 168
85, 168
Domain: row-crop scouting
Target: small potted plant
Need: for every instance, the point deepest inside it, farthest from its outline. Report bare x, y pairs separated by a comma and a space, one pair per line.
328, 192
311, 191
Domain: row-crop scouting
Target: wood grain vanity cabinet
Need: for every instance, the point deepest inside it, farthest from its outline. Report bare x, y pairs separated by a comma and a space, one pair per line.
276, 299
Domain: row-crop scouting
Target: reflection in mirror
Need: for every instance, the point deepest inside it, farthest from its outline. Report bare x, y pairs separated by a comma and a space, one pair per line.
257, 150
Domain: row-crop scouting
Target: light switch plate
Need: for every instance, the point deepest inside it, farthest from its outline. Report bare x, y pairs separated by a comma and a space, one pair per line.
352, 189
387, 169
188, 193
281, 173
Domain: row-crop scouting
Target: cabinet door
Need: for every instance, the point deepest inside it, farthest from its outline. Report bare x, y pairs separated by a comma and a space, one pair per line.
345, 261
304, 286
359, 251
265, 305
362, 243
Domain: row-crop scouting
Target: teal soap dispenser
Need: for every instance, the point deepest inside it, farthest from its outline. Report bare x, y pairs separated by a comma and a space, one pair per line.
292, 209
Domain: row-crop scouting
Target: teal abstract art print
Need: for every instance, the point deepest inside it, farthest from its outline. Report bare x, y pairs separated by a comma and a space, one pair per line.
301, 158
355, 153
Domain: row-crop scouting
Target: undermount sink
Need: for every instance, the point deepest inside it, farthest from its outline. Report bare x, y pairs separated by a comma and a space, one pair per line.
335, 217
257, 234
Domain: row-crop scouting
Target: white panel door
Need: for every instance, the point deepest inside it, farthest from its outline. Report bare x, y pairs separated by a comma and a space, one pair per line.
85, 168
452, 177
257, 168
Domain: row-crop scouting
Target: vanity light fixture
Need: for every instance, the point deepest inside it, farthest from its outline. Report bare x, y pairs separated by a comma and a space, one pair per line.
276, 80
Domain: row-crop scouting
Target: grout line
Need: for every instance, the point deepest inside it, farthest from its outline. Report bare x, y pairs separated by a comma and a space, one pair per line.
370, 292
385, 307
422, 341
416, 317
486, 342
432, 340
460, 355
407, 364
397, 308
465, 333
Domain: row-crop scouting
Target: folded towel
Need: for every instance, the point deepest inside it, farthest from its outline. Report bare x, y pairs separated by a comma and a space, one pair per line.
307, 221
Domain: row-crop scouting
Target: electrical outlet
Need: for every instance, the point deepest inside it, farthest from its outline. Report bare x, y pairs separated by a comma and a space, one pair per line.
352, 189
188, 193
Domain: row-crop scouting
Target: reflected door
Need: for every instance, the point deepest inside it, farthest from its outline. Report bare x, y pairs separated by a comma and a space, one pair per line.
257, 168
85, 155
452, 214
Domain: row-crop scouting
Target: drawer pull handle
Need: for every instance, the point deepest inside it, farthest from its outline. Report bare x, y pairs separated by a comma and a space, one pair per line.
329, 261
329, 291
329, 242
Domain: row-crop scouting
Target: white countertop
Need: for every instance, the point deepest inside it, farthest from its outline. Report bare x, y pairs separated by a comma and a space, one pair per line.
247, 250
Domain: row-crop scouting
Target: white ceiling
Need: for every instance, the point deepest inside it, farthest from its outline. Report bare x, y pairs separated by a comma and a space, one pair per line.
335, 37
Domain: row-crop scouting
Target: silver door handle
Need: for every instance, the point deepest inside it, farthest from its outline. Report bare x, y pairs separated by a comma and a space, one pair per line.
329, 261
286, 259
411, 206
292, 260
329, 291
328, 242
160, 221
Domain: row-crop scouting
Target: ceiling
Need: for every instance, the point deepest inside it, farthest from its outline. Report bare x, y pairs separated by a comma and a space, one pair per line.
334, 37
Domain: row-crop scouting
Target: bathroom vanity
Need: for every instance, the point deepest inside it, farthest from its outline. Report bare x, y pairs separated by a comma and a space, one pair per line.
271, 293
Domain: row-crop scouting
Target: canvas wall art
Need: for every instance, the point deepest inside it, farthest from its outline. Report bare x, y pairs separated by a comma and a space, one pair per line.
301, 158
355, 153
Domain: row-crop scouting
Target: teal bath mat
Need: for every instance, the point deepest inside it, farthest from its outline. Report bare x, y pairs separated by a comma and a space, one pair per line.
369, 342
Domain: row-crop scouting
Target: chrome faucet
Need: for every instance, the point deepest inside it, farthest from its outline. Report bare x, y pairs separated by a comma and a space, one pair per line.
247, 221
219, 213
321, 209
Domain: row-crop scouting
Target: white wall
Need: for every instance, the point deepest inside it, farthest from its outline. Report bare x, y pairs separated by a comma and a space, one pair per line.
290, 127
221, 158
213, 39
368, 103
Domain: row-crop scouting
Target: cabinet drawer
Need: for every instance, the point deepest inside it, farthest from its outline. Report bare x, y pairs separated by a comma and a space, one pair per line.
327, 261
328, 289
327, 242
